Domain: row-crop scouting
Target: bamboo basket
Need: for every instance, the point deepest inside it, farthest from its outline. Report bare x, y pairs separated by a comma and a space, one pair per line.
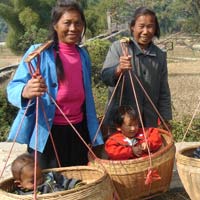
189, 171
128, 176
98, 186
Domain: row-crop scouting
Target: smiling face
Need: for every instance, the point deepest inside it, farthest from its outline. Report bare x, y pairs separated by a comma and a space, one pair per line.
144, 30
69, 28
129, 127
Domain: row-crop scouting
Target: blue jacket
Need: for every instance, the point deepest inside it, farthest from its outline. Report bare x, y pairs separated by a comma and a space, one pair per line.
26, 124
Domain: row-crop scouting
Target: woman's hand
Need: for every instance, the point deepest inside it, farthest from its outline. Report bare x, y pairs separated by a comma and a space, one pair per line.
124, 64
35, 87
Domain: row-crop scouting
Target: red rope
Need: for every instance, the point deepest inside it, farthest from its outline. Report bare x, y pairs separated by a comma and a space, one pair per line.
122, 89
101, 122
14, 140
148, 97
152, 174
78, 134
31, 68
124, 47
194, 114
125, 52
50, 135
140, 116
36, 144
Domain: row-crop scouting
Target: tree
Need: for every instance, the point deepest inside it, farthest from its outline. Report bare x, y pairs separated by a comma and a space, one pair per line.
21, 16
29, 20
188, 14
7, 113
3, 30
96, 15
98, 50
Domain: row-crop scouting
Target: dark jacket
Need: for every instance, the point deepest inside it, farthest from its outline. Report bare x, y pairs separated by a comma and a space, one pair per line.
53, 182
151, 69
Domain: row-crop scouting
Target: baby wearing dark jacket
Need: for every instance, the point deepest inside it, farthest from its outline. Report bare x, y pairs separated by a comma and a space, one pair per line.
23, 173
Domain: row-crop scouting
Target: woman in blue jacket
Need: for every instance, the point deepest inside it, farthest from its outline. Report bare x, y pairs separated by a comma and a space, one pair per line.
65, 74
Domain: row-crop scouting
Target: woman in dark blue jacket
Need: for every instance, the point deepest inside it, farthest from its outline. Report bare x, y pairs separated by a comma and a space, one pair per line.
148, 63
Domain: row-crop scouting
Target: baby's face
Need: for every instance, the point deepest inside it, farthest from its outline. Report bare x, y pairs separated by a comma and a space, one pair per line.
129, 127
27, 178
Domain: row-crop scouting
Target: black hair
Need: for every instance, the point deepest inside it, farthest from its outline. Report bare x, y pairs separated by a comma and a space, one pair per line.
60, 8
120, 113
146, 11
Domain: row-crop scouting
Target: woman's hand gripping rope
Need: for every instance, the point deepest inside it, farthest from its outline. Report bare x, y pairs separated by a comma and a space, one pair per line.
125, 60
35, 87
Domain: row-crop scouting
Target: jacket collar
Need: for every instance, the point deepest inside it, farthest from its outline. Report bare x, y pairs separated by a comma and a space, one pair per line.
150, 51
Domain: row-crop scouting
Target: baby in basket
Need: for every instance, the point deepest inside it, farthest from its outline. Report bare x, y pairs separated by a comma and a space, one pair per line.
23, 173
128, 142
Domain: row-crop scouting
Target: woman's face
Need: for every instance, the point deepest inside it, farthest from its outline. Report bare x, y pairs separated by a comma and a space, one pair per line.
144, 30
69, 27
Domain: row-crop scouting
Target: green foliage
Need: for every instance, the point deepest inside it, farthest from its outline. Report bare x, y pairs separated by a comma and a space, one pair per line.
10, 16
12, 41
187, 15
32, 36
179, 129
28, 21
96, 15
3, 29
21, 16
97, 50
100, 98
7, 113
120, 10
20, 42
173, 15
92, 25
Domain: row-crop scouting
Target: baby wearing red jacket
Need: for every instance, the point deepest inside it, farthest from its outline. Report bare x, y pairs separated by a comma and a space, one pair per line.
128, 142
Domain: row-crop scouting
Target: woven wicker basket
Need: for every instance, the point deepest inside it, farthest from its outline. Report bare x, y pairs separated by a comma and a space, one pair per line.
189, 171
129, 175
98, 187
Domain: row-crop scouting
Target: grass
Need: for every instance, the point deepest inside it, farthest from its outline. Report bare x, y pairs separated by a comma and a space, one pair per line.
184, 81
184, 51
7, 57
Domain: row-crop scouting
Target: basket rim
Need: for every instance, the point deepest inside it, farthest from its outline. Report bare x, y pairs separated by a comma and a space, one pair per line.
62, 169
183, 149
183, 159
